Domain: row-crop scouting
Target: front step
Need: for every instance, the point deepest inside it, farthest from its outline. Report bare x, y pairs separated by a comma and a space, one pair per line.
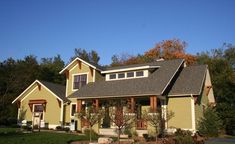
107, 131
141, 132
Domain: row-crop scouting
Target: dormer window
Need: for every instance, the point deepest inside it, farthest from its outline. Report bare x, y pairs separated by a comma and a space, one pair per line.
112, 76
79, 81
130, 74
139, 73
121, 75
127, 75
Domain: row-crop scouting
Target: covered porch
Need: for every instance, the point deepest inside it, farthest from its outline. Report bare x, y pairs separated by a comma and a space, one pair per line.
135, 106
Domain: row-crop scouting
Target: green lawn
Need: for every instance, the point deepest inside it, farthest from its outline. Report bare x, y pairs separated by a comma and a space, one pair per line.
11, 136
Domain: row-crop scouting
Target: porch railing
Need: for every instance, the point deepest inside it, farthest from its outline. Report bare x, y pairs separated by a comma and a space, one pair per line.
141, 124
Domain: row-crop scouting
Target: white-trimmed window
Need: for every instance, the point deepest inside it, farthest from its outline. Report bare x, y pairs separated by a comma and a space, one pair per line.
73, 109
79, 81
127, 75
112, 76
130, 74
121, 75
139, 73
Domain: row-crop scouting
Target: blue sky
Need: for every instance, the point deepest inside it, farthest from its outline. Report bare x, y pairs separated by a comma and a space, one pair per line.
45, 28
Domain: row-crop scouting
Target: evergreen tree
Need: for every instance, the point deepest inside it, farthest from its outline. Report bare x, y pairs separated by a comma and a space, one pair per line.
210, 123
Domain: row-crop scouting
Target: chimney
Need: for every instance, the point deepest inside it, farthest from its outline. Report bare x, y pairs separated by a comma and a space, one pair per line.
160, 59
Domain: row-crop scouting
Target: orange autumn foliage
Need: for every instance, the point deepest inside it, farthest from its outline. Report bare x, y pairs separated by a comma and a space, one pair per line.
170, 49
167, 49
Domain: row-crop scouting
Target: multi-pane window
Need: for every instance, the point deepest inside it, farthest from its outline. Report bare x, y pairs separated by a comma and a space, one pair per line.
38, 108
121, 75
127, 75
112, 76
139, 73
130, 74
79, 81
73, 109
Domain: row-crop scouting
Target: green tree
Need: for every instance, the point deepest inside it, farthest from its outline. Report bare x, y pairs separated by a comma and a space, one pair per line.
91, 56
210, 124
221, 67
15, 77
50, 68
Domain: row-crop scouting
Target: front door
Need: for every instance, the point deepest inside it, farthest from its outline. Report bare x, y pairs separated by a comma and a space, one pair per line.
37, 114
37, 119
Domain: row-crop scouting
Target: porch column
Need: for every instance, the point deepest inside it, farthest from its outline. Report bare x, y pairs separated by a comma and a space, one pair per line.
132, 105
153, 103
79, 105
97, 104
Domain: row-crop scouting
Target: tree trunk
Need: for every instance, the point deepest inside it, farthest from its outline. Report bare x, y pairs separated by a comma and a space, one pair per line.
119, 135
90, 133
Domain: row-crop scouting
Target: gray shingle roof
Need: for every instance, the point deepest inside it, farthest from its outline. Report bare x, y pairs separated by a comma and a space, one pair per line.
152, 85
133, 65
57, 89
190, 81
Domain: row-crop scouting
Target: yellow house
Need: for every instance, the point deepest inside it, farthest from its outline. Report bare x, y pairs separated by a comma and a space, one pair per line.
168, 85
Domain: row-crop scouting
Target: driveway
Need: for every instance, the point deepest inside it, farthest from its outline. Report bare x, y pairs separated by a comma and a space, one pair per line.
220, 141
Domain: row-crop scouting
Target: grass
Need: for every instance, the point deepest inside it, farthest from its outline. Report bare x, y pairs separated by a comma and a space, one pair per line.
11, 136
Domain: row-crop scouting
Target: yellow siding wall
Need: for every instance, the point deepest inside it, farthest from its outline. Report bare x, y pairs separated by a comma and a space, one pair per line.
181, 106
99, 77
53, 111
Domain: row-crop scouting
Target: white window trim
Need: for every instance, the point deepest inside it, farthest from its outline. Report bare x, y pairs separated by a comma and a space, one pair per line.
87, 74
43, 116
121, 73
71, 109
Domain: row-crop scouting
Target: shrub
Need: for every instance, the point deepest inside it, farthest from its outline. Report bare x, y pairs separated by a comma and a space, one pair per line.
58, 128
26, 128
210, 123
67, 129
128, 132
180, 132
148, 137
183, 137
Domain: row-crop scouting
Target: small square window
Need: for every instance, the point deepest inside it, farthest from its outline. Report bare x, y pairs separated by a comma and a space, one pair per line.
121, 75
112, 76
139, 73
130, 74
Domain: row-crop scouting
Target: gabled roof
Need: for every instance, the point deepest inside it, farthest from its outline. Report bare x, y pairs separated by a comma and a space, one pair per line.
155, 84
95, 66
56, 89
190, 81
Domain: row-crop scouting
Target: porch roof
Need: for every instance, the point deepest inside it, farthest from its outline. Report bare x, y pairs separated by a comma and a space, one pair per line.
155, 84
